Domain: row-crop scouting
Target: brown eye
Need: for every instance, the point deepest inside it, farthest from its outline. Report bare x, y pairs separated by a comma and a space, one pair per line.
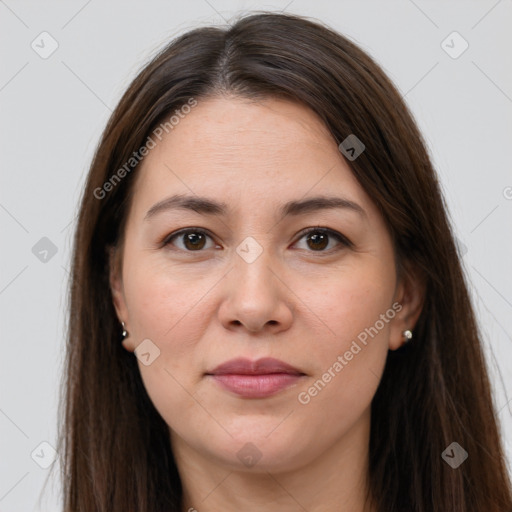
190, 240
194, 241
317, 241
323, 240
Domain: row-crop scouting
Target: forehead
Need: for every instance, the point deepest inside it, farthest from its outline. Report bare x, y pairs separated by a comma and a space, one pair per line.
232, 146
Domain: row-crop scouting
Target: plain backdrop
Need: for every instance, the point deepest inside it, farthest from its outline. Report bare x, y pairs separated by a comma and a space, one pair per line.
54, 108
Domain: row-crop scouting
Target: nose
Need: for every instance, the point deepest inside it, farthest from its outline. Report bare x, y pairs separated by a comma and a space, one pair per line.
256, 298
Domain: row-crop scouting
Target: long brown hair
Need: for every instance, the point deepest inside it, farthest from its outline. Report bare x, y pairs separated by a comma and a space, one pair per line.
115, 447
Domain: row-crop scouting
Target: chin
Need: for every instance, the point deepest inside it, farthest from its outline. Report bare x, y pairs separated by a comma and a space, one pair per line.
265, 449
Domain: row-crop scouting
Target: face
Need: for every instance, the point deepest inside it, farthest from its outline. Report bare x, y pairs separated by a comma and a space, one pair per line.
273, 251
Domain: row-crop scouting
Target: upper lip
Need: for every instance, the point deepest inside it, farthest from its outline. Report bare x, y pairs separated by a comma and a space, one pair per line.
264, 366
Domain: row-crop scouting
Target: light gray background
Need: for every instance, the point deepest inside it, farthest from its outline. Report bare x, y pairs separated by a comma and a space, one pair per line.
54, 109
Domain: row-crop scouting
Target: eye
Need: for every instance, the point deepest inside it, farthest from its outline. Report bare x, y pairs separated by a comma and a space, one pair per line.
190, 240
319, 239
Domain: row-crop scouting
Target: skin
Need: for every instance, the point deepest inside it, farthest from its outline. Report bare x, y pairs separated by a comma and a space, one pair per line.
295, 302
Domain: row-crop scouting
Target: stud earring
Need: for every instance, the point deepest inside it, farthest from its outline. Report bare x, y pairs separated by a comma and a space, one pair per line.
407, 334
125, 332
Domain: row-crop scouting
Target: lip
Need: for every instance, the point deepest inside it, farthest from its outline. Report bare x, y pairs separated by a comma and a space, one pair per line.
263, 366
255, 379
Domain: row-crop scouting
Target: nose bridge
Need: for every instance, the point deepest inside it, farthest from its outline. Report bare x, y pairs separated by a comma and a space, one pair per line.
254, 296
253, 266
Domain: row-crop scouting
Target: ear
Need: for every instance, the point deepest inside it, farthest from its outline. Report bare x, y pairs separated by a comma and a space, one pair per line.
117, 288
410, 295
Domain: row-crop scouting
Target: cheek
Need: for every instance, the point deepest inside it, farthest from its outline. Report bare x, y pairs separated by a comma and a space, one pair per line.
161, 305
353, 299
162, 310
352, 340
167, 309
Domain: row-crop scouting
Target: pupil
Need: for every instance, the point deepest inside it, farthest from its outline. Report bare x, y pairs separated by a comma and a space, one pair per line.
318, 238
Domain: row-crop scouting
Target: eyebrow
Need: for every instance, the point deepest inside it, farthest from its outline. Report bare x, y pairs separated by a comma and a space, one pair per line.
206, 206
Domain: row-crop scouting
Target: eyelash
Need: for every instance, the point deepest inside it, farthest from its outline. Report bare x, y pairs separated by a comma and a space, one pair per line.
345, 242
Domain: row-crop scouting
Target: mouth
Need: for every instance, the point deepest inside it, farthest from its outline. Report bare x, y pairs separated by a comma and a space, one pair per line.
255, 379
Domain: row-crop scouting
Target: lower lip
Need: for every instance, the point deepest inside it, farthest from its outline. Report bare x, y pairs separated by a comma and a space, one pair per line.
256, 386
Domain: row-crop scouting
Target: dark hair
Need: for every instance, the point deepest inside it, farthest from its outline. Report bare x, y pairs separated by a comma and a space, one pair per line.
435, 390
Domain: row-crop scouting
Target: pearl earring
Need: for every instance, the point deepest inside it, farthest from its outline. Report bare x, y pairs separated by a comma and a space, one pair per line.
125, 332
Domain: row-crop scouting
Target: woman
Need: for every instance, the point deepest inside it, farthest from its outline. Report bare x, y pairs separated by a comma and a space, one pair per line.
267, 307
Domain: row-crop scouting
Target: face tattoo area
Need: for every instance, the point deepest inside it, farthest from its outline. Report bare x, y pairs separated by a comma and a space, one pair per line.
266, 295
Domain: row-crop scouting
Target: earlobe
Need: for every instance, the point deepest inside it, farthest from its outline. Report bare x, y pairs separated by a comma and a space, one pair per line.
410, 295
125, 341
